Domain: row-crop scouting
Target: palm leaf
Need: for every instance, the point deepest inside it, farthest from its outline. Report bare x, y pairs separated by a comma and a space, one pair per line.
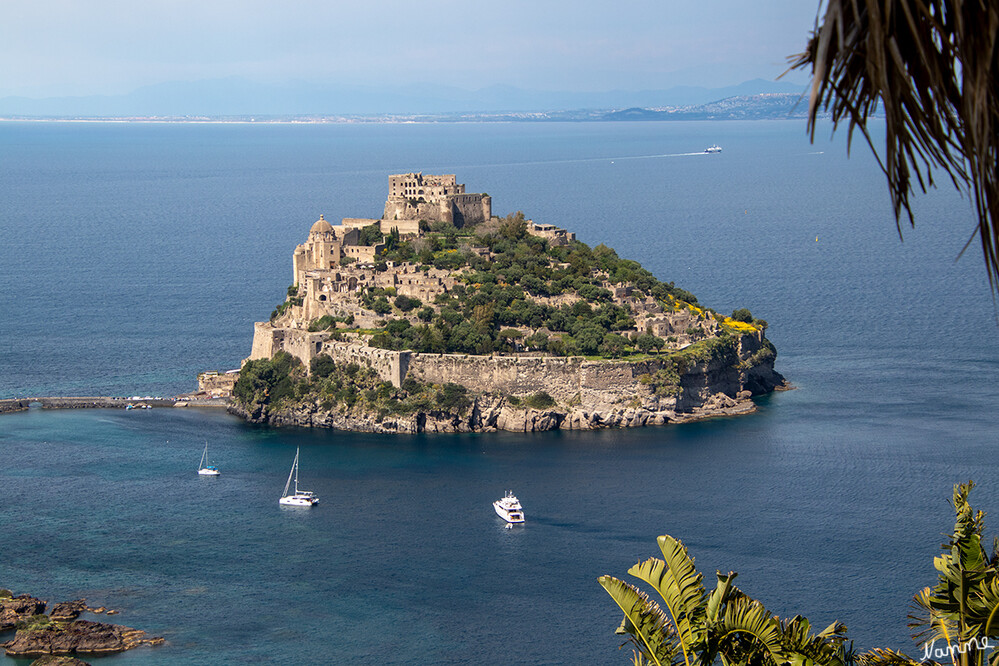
931, 66
802, 648
679, 584
747, 630
721, 594
647, 624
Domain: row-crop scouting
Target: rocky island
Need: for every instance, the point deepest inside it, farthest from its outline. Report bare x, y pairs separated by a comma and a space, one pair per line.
441, 317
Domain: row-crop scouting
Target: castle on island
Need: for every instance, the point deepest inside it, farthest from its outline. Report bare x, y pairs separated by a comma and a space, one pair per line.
333, 264
340, 270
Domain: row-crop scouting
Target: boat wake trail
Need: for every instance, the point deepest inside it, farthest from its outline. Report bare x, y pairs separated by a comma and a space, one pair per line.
581, 160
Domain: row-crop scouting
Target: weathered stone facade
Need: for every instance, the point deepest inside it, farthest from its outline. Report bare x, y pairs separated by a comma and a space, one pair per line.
414, 196
217, 384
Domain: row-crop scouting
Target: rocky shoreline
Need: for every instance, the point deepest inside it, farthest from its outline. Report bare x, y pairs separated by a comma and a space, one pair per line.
61, 633
495, 413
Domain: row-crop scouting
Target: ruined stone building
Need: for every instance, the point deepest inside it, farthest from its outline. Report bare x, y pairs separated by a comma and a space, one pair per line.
414, 196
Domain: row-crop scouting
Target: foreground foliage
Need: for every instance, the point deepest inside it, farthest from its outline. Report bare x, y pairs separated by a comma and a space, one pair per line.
697, 628
931, 66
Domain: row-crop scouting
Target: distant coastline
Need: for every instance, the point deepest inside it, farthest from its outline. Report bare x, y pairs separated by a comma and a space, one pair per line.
764, 106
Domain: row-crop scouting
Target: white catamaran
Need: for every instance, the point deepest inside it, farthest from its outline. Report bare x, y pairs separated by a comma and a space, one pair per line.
299, 497
207, 470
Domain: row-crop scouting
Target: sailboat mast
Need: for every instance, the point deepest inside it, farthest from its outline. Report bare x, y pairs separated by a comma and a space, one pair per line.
293, 472
296, 471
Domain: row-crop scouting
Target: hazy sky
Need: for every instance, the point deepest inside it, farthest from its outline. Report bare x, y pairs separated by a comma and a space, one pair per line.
81, 47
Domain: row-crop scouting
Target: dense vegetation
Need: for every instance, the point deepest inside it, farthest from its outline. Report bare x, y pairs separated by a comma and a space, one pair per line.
516, 290
282, 381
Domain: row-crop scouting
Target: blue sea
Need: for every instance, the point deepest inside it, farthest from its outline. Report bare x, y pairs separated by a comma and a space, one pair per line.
134, 256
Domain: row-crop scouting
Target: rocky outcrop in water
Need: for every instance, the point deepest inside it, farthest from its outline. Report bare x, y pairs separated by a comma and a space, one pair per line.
78, 637
61, 633
17, 609
67, 611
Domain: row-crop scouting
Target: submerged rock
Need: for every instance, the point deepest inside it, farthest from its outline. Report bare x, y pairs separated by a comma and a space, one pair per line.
52, 660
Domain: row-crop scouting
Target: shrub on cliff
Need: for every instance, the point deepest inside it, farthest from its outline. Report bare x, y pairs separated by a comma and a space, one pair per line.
539, 400
322, 366
371, 234
267, 381
381, 306
613, 345
647, 342
453, 398
322, 323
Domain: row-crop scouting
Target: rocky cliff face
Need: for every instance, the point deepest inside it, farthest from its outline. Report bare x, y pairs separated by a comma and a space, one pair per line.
720, 385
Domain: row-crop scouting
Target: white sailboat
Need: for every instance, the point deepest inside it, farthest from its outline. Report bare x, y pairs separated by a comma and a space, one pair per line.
299, 497
207, 470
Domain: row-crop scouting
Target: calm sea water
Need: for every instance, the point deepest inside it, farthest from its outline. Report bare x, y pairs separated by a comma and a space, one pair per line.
134, 256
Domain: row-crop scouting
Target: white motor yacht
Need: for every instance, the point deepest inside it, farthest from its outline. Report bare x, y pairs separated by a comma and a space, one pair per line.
508, 508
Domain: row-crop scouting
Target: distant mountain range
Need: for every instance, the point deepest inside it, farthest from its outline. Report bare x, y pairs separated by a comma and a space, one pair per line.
237, 97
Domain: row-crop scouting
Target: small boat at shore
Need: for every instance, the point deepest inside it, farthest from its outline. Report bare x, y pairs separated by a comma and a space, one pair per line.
207, 470
509, 509
299, 497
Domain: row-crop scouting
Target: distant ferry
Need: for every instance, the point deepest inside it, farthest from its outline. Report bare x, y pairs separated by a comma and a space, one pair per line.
713, 149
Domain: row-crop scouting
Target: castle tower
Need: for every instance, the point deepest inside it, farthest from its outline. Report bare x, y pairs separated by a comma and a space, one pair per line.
319, 252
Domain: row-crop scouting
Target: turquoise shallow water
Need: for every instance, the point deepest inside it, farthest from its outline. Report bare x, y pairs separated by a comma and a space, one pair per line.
136, 256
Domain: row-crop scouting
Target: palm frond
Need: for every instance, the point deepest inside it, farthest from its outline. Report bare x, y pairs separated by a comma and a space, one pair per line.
888, 657
802, 648
748, 630
678, 582
932, 67
644, 621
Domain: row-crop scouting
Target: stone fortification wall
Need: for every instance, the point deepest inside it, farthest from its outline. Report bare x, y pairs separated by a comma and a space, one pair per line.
559, 376
459, 209
390, 365
357, 222
571, 381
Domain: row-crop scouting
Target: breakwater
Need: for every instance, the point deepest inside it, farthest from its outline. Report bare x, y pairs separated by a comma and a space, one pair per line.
102, 402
